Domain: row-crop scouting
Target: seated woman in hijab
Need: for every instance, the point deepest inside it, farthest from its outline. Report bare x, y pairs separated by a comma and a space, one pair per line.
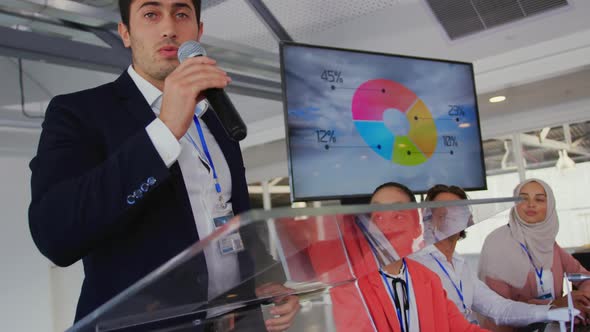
462, 285
521, 261
400, 294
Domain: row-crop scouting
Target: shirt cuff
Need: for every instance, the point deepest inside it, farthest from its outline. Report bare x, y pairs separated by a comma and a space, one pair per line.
164, 141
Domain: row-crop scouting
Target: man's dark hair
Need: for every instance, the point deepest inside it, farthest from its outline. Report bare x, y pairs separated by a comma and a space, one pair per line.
399, 186
443, 188
125, 6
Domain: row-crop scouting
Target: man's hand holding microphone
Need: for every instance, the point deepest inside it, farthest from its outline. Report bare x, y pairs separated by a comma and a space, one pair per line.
198, 77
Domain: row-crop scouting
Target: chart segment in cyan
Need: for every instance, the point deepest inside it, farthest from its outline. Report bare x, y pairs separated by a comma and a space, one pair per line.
369, 103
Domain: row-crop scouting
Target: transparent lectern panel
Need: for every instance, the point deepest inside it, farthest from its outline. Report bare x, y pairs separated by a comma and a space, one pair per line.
321, 257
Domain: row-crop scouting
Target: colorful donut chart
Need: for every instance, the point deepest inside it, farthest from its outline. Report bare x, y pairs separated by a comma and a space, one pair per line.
369, 103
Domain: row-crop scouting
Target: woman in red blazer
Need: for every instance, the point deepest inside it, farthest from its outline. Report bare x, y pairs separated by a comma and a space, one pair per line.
368, 304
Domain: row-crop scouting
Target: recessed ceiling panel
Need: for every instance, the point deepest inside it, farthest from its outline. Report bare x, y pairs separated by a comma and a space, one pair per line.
303, 18
464, 17
234, 20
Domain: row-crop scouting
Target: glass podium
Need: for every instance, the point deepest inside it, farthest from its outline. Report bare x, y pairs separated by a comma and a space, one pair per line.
320, 255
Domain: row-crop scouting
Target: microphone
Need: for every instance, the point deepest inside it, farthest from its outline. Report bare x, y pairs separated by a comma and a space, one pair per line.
575, 277
230, 119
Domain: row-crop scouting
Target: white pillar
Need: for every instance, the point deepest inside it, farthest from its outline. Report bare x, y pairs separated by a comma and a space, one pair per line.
270, 223
266, 199
518, 157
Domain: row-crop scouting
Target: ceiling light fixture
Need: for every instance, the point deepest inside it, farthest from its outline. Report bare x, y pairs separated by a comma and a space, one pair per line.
497, 99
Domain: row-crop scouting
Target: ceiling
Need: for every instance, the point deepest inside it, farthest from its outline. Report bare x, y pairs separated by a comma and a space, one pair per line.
541, 62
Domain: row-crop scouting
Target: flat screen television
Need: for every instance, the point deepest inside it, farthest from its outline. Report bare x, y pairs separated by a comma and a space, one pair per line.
357, 119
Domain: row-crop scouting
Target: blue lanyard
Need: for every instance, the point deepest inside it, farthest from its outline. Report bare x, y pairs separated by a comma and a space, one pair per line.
393, 296
207, 154
458, 289
537, 271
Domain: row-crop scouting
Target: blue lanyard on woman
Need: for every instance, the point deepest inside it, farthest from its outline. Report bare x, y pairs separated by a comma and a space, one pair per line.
539, 272
458, 289
393, 295
365, 232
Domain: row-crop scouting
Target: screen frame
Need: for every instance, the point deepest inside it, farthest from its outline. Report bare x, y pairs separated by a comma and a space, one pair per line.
363, 197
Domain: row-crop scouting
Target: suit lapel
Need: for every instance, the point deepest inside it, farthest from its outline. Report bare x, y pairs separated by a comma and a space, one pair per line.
384, 298
423, 296
367, 272
133, 100
217, 130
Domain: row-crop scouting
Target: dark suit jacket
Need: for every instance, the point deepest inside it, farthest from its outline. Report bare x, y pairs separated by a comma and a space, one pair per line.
93, 154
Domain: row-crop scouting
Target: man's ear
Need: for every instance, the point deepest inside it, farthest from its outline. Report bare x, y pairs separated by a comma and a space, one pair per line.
124, 33
200, 31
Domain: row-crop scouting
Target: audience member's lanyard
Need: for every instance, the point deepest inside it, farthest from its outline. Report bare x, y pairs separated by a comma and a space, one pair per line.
406, 300
458, 289
209, 159
539, 272
397, 304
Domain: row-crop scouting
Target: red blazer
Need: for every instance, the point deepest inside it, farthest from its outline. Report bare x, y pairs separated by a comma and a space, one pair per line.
435, 311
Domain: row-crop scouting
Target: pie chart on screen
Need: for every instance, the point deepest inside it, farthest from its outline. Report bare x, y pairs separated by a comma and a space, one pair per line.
375, 103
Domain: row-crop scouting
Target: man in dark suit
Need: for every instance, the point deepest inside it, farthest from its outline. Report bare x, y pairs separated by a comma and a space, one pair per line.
126, 177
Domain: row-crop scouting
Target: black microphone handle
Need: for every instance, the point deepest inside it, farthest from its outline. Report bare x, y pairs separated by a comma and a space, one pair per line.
226, 112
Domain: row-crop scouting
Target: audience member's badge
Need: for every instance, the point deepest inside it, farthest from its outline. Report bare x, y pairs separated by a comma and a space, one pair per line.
231, 243
545, 288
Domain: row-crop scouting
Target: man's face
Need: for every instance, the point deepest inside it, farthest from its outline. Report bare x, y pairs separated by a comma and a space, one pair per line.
399, 227
156, 30
449, 221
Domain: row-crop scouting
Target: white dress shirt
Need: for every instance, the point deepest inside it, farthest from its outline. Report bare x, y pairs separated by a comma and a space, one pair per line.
223, 270
477, 296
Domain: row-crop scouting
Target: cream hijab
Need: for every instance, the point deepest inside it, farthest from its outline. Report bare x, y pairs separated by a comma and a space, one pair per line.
503, 257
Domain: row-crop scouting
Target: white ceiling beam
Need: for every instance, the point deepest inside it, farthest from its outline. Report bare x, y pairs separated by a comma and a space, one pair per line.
530, 140
567, 134
522, 121
66, 10
20, 124
543, 134
36, 46
264, 131
268, 171
275, 181
533, 63
580, 140
273, 189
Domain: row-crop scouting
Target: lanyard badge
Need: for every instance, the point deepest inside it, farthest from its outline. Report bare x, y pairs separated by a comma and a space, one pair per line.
220, 201
232, 243
544, 284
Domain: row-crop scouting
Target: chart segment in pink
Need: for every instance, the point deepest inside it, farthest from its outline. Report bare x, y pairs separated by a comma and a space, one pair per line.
373, 97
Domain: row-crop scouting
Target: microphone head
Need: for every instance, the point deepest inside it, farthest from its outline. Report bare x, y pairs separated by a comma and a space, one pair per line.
190, 49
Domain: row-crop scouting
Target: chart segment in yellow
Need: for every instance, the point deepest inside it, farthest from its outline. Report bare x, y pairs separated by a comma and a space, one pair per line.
422, 128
